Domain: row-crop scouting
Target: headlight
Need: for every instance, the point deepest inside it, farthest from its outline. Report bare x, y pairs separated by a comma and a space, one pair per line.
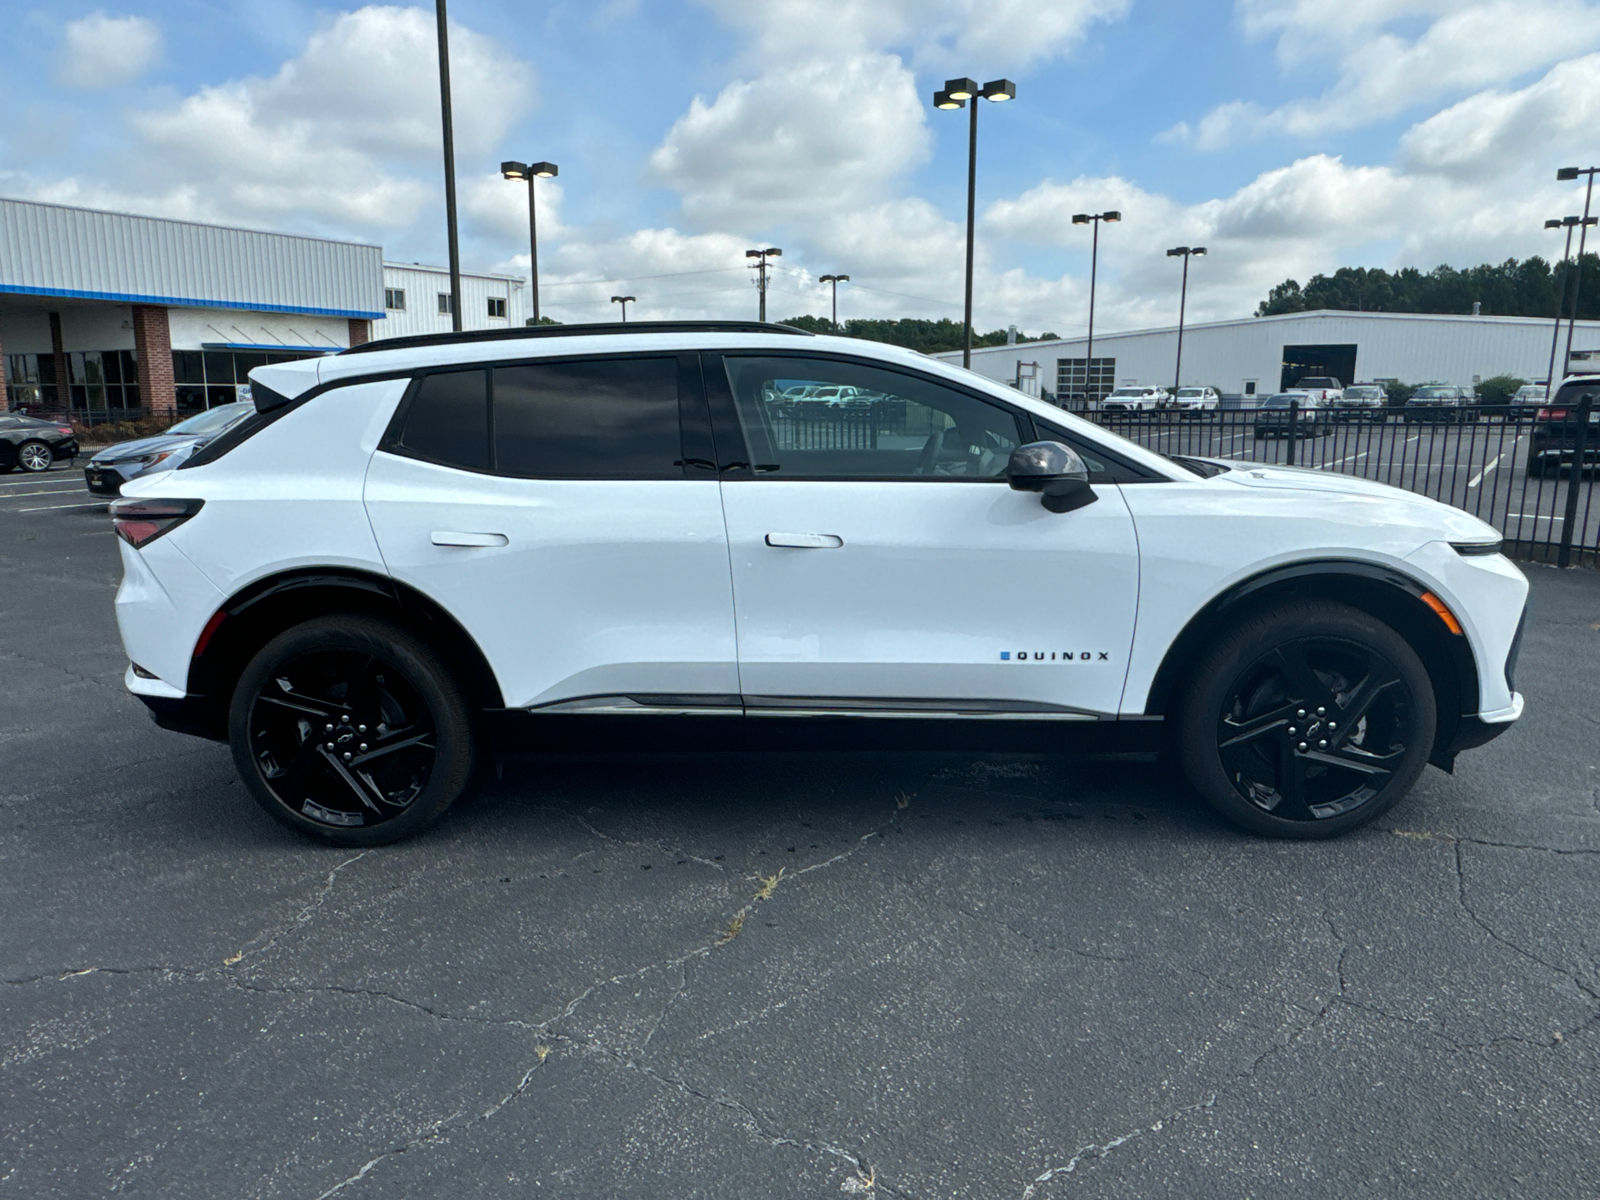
150, 460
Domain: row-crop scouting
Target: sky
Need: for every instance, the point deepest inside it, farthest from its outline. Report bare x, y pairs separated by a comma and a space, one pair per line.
1289, 137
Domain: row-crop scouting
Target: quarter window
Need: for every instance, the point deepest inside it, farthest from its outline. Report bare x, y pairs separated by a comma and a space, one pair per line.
818, 418
595, 419
448, 420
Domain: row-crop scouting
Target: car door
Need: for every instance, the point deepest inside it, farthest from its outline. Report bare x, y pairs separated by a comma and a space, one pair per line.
882, 563
566, 513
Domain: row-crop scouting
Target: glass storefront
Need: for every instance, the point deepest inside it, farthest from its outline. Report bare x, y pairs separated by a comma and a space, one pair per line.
99, 380
31, 381
207, 378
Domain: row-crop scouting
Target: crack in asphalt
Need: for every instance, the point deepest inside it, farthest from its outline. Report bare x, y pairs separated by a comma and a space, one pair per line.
299, 921
1095, 1150
70, 674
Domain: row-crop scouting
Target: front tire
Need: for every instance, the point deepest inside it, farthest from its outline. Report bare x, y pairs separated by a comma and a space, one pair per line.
34, 456
351, 730
1306, 720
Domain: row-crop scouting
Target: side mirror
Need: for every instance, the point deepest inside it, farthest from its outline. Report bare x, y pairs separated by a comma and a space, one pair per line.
1055, 471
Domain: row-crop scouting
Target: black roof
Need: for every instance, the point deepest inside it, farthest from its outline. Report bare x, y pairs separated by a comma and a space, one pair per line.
585, 330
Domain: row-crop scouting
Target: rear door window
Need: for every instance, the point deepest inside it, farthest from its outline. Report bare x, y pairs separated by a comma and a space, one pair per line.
613, 418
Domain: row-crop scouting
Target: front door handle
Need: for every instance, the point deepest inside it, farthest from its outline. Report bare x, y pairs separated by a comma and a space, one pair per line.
806, 541
444, 538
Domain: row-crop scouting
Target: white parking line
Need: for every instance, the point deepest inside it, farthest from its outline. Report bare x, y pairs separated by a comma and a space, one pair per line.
49, 492
36, 480
1490, 466
1342, 461
55, 507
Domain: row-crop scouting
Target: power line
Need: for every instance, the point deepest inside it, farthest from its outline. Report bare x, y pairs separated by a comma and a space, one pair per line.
631, 278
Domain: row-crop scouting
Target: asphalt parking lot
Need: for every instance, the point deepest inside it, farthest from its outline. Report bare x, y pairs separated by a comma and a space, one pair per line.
779, 975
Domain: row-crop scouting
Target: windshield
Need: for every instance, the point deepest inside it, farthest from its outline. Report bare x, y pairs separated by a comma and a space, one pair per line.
1281, 400
213, 421
1362, 393
1130, 392
1434, 393
1190, 393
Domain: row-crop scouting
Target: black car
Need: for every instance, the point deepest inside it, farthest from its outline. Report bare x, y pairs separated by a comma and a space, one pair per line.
32, 444
1553, 440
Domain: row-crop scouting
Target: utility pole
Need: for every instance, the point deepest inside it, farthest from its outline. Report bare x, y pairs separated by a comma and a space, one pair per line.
761, 257
1185, 252
449, 165
1094, 265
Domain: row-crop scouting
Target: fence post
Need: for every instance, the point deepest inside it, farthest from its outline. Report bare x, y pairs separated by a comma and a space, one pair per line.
1294, 414
1570, 518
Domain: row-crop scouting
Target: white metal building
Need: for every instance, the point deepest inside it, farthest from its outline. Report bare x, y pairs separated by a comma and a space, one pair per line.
417, 300
1261, 355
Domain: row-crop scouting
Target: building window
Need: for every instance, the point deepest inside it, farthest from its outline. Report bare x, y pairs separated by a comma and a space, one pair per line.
207, 378
394, 299
497, 306
31, 380
445, 307
1078, 383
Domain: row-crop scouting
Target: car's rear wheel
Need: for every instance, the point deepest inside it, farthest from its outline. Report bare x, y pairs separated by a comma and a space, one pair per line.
1306, 720
351, 730
34, 455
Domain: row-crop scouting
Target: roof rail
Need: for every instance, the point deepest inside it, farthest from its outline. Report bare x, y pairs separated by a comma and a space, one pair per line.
593, 329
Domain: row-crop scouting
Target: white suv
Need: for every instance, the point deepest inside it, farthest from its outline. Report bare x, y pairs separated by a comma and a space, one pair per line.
1135, 398
425, 551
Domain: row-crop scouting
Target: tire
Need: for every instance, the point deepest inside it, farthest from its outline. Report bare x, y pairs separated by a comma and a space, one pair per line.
280, 734
1278, 670
1536, 466
33, 455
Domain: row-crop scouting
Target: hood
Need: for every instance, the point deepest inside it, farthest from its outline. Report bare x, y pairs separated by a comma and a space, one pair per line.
139, 447
1458, 525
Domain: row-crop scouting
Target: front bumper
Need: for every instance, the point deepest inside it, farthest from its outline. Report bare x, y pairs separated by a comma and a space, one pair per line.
103, 480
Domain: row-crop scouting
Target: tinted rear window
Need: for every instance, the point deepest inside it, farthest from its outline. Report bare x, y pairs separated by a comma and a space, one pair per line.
448, 421
597, 419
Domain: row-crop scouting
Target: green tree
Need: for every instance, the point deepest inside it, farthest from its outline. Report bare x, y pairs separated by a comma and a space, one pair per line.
1528, 288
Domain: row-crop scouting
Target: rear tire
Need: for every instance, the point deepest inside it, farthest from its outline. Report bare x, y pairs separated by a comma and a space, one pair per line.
34, 455
1306, 720
351, 730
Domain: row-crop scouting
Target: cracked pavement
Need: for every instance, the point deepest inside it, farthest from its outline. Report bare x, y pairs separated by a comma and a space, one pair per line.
782, 974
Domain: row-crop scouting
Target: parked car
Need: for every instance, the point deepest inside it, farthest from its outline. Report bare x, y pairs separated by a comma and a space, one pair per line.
33, 444
1530, 393
114, 466
1324, 387
1362, 402
1195, 400
1135, 398
432, 549
1553, 438
1311, 416
1440, 402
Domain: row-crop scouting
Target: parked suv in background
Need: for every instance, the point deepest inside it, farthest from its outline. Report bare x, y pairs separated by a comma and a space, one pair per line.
1441, 402
1135, 398
1553, 438
1273, 415
1196, 400
1362, 402
426, 551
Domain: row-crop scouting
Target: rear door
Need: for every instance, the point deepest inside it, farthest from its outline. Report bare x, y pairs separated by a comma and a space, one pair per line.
566, 513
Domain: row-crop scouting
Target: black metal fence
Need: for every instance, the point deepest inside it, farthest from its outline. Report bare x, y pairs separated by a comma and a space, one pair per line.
1531, 477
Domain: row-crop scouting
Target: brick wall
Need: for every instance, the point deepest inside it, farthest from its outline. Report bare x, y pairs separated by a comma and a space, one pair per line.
152, 342
360, 331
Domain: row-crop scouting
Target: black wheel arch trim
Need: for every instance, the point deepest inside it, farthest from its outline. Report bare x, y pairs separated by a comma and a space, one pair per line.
1388, 594
258, 612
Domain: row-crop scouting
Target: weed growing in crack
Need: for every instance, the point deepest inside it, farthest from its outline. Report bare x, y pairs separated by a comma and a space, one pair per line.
734, 927
859, 1184
769, 884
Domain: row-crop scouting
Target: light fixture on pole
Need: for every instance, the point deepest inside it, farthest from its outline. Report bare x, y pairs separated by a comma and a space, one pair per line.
447, 124
1567, 175
1186, 253
761, 257
1094, 219
624, 301
836, 280
1569, 224
530, 172
956, 94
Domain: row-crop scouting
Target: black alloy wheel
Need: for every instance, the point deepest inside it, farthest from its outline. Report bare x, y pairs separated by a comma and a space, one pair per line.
351, 730
1307, 720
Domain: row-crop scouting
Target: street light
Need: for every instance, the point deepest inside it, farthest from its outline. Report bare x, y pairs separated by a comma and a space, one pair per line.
1567, 223
761, 257
1186, 252
1112, 216
836, 280
1568, 175
530, 172
447, 126
956, 93
624, 301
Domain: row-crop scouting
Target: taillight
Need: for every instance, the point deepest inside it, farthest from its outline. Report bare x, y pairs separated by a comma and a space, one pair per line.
1551, 414
140, 522
66, 429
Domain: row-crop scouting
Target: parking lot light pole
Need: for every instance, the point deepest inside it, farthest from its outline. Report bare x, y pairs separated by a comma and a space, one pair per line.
1186, 252
447, 124
1567, 175
624, 301
761, 257
1094, 264
530, 172
1566, 223
956, 94
836, 280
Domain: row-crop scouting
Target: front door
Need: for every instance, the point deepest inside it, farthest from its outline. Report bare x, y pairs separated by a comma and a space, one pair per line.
881, 562
552, 508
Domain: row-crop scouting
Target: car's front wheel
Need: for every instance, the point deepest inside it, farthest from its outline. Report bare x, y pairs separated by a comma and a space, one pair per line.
1306, 720
352, 730
34, 455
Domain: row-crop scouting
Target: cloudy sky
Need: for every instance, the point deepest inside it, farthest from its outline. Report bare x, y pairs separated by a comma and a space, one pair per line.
1288, 136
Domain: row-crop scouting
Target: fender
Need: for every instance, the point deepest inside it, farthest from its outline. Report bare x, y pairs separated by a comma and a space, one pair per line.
1388, 594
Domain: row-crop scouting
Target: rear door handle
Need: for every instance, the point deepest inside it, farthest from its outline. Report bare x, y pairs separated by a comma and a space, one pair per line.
444, 538
806, 541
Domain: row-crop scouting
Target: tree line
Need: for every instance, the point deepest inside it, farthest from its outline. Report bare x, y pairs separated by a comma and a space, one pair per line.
1529, 288
930, 337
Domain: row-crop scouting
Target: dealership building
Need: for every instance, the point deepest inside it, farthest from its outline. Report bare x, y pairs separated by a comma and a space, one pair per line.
104, 311
1260, 355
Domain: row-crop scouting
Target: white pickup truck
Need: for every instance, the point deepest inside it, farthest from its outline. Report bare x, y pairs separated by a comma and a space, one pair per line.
1325, 388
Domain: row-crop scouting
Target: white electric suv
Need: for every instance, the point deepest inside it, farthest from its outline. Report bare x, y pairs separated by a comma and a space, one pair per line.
425, 551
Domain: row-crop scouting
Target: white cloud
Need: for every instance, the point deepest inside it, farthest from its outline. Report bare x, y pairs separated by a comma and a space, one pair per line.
1377, 73
101, 51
